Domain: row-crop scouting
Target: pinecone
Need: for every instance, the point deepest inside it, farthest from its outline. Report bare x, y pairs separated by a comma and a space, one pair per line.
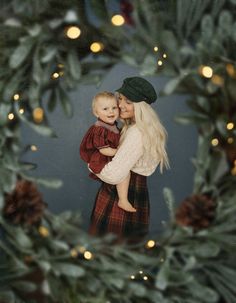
197, 211
25, 204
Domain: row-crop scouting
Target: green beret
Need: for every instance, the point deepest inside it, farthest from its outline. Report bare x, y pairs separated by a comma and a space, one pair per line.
137, 89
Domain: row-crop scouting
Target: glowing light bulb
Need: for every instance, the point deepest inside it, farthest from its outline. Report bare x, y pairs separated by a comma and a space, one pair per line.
206, 71
38, 114
230, 140
159, 62
21, 111
230, 69
155, 49
162, 260
150, 244
16, 97
33, 147
164, 55
132, 277
11, 116
73, 32
55, 75
217, 80
81, 249
88, 255
74, 253
230, 125
145, 278
43, 231
214, 142
96, 47
117, 20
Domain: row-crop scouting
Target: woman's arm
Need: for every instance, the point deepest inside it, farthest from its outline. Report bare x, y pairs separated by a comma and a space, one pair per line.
108, 151
127, 155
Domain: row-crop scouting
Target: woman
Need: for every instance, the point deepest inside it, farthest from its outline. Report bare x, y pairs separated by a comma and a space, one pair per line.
141, 150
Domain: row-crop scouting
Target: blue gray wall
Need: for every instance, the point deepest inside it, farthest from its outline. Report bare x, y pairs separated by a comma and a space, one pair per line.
59, 157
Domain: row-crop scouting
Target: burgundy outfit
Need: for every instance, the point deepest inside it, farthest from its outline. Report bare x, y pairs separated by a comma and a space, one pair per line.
100, 135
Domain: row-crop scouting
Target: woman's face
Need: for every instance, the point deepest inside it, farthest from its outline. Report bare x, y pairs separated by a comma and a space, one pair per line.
126, 107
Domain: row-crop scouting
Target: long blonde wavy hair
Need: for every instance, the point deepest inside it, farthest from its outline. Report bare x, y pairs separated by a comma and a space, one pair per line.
153, 132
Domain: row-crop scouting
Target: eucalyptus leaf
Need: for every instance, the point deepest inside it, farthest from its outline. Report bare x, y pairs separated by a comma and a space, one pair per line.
172, 85
65, 102
162, 279
137, 289
47, 182
74, 65
68, 269
21, 52
170, 201
24, 286
149, 66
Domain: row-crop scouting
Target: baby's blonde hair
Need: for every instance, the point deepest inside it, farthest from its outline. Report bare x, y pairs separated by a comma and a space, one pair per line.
104, 94
153, 132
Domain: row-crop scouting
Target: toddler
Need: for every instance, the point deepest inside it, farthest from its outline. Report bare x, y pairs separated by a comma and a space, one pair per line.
101, 141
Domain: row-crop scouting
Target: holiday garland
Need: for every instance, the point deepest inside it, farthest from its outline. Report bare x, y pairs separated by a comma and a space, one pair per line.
46, 49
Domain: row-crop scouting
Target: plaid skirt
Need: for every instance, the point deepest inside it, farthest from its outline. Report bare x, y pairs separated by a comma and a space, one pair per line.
107, 217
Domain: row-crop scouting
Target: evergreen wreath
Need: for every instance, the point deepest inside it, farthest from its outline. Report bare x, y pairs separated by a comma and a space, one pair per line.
47, 47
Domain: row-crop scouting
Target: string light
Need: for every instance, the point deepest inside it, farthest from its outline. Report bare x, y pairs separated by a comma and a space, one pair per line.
230, 125
74, 253
33, 148
81, 249
132, 277
55, 75
155, 48
141, 272
145, 278
43, 231
21, 111
73, 32
164, 55
117, 20
159, 62
11, 116
38, 114
96, 47
150, 243
230, 140
230, 69
214, 142
88, 255
162, 260
217, 80
206, 71
16, 97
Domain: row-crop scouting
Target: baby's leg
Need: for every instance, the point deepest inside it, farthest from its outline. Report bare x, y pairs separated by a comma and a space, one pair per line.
122, 190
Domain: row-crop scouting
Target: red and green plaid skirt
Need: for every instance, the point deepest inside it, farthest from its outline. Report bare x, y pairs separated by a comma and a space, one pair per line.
107, 217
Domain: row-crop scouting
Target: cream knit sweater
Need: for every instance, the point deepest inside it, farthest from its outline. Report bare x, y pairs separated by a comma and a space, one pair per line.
130, 156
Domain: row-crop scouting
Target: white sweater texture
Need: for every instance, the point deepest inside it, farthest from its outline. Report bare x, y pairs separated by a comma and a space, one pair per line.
129, 157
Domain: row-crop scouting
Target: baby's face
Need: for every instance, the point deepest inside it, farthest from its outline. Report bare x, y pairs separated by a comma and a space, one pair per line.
107, 110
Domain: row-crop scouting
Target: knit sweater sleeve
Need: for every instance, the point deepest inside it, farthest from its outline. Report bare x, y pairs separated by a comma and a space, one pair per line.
127, 155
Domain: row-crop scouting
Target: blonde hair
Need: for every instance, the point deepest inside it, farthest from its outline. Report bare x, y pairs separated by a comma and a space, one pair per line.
104, 94
153, 132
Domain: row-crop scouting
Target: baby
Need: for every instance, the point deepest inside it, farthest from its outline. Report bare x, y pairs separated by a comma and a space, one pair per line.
101, 141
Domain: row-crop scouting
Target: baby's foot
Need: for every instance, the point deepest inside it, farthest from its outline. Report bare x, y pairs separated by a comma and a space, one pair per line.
126, 206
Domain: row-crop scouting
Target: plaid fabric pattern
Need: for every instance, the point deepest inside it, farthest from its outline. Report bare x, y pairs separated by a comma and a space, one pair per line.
107, 217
